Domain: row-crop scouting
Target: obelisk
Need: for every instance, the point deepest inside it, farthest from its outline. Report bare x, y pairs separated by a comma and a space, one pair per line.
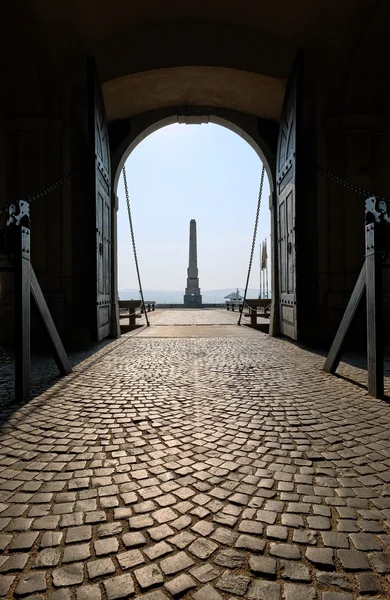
192, 295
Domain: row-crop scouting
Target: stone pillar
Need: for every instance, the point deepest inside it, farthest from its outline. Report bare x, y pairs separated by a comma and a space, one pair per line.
192, 295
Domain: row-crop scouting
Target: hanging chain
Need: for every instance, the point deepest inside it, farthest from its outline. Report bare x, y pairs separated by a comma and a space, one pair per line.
133, 242
46, 190
328, 174
253, 242
130, 314
350, 186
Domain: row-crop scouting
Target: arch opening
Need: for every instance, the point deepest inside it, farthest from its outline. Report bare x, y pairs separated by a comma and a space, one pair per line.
247, 210
189, 119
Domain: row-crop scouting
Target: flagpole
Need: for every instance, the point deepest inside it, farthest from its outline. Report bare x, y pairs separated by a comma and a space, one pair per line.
262, 276
266, 270
264, 290
260, 270
264, 286
262, 267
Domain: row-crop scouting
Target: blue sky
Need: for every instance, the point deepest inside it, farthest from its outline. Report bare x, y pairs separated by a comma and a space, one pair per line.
182, 172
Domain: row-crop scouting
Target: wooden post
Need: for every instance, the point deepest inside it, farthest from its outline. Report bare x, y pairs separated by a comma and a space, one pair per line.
370, 279
375, 352
22, 314
16, 241
253, 315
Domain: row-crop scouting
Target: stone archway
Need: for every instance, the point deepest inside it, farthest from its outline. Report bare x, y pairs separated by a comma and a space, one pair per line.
246, 126
256, 143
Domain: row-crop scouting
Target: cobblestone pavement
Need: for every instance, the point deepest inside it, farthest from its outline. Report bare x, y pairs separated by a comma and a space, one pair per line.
215, 468
193, 317
200, 331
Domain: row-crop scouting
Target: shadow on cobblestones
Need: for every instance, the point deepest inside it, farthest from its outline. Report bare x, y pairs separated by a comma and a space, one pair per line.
44, 372
353, 366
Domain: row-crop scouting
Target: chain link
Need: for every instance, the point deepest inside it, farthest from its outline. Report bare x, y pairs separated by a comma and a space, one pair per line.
253, 241
328, 174
129, 314
350, 186
133, 242
46, 190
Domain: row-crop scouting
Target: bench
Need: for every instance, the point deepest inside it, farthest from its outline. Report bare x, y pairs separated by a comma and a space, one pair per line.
234, 304
264, 306
127, 309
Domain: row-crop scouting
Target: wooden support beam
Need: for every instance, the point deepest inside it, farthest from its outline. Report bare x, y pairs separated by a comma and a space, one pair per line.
370, 279
253, 316
16, 241
335, 352
22, 314
57, 348
375, 350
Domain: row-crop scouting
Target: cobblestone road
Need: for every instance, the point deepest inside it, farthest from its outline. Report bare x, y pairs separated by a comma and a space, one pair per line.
218, 468
193, 317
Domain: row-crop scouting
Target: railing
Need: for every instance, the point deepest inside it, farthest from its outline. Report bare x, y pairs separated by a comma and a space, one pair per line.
234, 304
149, 305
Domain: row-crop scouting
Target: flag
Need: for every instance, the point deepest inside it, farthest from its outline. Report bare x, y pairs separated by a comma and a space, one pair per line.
265, 256
262, 256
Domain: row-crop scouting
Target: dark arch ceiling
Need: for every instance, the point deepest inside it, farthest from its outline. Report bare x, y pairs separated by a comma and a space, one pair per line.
217, 52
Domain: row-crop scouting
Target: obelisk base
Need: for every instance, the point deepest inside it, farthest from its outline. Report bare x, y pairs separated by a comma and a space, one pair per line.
192, 301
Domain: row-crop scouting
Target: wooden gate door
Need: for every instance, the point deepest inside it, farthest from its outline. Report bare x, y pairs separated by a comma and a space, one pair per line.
286, 176
101, 181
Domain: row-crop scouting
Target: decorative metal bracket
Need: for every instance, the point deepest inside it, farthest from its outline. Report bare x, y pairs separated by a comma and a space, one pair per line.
18, 217
19, 214
377, 211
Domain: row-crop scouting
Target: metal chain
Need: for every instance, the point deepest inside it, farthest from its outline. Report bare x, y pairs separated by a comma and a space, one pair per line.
46, 190
253, 242
133, 242
130, 314
350, 186
328, 174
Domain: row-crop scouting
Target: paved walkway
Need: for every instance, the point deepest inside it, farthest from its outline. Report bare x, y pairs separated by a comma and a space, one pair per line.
184, 316
205, 468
